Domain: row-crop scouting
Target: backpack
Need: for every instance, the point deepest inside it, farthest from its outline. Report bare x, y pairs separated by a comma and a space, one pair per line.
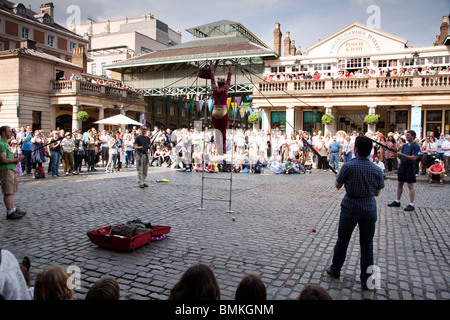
39, 174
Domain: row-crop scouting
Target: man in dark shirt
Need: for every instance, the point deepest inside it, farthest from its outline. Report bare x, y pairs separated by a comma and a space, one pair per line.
405, 173
141, 145
363, 181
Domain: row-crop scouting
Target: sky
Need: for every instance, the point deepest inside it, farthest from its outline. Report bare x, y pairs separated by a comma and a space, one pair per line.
308, 21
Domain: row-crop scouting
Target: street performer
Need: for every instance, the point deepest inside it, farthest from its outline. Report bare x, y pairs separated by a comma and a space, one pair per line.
219, 115
142, 145
363, 181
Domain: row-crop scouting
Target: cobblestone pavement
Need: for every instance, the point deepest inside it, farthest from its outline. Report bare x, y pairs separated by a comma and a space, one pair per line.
271, 235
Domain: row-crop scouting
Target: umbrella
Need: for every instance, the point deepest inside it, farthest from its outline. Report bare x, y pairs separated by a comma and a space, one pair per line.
119, 120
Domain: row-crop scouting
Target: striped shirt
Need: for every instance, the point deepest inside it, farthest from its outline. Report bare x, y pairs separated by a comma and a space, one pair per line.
361, 178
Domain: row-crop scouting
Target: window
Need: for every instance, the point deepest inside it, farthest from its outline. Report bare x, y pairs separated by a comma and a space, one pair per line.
277, 69
25, 32
278, 120
37, 117
439, 60
51, 41
322, 66
295, 68
93, 69
72, 46
103, 69
354, 63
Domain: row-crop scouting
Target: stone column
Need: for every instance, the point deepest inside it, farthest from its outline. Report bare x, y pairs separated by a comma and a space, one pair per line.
290, 120
76, 124
266, 120
331, 128
372, 128
122, 112
101, 116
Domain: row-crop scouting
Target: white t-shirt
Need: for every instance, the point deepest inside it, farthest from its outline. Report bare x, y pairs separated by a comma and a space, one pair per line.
380, 165
446, 145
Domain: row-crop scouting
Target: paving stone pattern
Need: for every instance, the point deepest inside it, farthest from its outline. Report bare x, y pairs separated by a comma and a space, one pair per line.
271, 236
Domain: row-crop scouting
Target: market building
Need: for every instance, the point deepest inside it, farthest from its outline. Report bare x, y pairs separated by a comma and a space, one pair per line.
354, 72
169, 78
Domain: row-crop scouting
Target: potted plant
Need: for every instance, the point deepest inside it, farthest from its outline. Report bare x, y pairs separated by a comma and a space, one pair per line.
253, 118
328, 118
372, 119
82, 115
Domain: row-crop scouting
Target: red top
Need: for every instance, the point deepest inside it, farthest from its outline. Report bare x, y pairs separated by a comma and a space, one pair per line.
220, 95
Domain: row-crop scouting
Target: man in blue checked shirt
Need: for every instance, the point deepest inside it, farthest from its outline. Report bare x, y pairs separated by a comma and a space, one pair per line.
363, 181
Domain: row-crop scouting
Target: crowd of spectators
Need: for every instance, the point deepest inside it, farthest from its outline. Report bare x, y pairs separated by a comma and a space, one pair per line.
360, 73
197, 283
101, 81
249, 151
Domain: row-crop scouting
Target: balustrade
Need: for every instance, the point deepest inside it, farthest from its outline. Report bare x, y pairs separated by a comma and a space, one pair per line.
346, 85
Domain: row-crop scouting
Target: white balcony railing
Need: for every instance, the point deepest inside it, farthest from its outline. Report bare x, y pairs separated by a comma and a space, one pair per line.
360, 85
73, 87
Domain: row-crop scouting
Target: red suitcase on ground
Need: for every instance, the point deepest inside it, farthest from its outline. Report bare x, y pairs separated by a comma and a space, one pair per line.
109, 237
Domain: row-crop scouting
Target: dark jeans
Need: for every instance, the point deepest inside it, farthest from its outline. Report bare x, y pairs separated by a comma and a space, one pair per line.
26, 162
91, 159
347, 223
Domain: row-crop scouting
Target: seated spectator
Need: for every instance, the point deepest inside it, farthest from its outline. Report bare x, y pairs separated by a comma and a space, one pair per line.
261, 162
297, 167
107, 288
275, 166
288, 167
197, 283
314, 292
25, 268
12, 282
158, 157
251, 288
436, 172
51, 284
380, 165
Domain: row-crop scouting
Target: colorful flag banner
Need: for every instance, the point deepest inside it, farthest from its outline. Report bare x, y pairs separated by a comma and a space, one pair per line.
210, 103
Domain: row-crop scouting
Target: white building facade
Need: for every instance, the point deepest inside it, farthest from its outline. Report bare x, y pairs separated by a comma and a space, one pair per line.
354, 72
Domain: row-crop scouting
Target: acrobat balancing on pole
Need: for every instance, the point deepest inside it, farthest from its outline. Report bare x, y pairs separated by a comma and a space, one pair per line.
219, 115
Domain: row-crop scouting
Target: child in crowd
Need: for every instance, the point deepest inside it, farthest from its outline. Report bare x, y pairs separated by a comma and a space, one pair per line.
107, 288
314, 292
251, 288
197, 283
51, 284
288, 167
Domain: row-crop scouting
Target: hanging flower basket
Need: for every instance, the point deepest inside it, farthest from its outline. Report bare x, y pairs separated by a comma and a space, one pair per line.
253, 118
82, 115
372, 119
328, 118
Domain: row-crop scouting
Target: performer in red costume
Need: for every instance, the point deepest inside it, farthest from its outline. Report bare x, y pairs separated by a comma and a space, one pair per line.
219, 115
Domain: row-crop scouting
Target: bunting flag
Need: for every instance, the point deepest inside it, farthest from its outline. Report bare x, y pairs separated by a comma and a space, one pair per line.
242, 111
197, 105
234, 106
210, 103
228, 103
238, 100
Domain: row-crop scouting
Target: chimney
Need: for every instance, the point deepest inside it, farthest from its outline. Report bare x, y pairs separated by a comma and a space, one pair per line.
293, 49
277, 39
79, 58
28, 44
299, 50
48, 8
287, 44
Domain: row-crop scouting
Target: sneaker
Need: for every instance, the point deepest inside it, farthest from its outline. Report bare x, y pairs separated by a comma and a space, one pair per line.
141, 186
394, 204
441, 182
15, 215
334, 274
431, 181
145, 185
409, 208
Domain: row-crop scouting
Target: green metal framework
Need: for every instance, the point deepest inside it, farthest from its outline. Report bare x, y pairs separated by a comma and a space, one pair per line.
238, 89
225, 28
